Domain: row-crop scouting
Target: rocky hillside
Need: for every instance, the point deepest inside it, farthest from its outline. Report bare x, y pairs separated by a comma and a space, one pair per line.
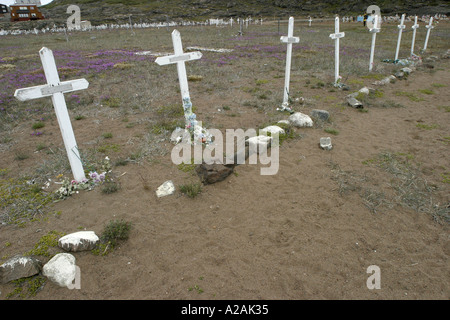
118, 11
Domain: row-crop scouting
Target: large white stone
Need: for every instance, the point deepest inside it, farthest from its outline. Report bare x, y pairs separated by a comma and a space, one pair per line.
61, 269
299, 119
259, 142
272, 130
79, 241
167, 188
325, 143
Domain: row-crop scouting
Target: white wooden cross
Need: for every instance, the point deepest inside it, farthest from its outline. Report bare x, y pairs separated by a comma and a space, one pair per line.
290, 39
180, 58
310, 20
400, 27
374, 32
429, 27
56, 89
414, 27
336, 36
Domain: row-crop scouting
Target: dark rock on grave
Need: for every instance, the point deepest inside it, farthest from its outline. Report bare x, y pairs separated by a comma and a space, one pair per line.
212, 173
19, 267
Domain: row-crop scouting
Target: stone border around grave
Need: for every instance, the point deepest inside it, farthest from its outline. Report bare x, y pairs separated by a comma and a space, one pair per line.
60, 269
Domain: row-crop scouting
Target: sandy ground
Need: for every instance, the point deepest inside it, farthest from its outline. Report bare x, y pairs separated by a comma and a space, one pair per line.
292, 235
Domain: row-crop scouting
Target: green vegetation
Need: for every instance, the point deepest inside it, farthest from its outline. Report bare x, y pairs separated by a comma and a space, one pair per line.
426, 126
22, 201
191, 190
331, 131
38, 125
27, 287
46, 242
410, 95
114, 232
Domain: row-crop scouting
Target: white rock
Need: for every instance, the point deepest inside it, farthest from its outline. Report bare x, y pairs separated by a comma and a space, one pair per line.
79, 241
259, 142
299, 119
272, 130
406, 70
325, 143
61, 269
364, 90
284, 122
385, 80
167, 188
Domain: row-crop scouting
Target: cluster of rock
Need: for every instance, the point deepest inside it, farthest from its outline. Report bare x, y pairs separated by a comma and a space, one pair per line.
60, 269
216, 172
355, 103
212, 173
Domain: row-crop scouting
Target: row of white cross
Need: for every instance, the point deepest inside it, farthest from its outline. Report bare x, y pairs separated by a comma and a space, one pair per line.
56, 89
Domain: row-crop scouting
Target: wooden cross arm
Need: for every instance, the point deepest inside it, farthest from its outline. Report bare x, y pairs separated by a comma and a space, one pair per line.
337, 35
290, 39
178, 58
47, 90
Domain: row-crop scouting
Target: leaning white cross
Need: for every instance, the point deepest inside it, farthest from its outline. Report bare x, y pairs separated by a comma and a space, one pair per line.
336, 36
374, 32
400, 27
180, 58
414, 27
290, 39
429, 27
56, 89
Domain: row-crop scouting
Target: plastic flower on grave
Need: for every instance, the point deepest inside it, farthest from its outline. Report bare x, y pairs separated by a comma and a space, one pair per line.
187, 104
93, 175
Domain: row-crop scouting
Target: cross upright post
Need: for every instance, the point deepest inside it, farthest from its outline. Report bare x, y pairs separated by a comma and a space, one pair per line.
414, 27
336, 36
290, 39
374, 32
56, 89
180, 58
429, 27
400, 27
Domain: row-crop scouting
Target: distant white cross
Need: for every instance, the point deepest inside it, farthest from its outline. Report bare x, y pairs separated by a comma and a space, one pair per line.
336, 36
310, 20
429, 27
56, 89
374, 32
290, 39
414, 27
180, 58
400, 27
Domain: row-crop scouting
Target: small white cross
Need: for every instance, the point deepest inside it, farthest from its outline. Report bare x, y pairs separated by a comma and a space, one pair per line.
310, 20
56, 90
414, 27
429, 27
400, 27
374, 32
290, 39
180, 58
336, 36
